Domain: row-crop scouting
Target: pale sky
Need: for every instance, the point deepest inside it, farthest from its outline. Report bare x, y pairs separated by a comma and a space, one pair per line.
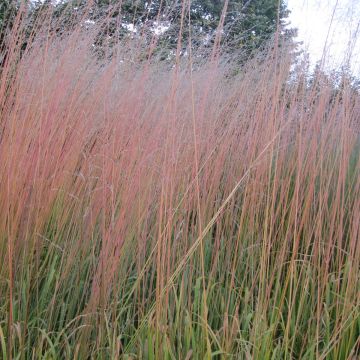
338, 21
335, 23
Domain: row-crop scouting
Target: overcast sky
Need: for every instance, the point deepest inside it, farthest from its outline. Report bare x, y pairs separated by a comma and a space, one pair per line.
337, 20
335, 23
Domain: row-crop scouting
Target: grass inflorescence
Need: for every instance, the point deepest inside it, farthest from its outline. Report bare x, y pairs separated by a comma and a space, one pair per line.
175, 212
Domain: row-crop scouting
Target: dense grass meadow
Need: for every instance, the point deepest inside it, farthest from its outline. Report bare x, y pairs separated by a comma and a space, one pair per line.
193, 210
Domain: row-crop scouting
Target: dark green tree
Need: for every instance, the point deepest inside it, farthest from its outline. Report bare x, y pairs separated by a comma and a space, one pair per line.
8, 10
247, 24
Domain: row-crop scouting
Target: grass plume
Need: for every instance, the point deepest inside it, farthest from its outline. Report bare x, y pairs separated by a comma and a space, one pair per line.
172, 212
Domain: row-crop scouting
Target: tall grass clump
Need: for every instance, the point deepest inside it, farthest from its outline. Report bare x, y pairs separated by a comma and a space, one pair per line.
190, 210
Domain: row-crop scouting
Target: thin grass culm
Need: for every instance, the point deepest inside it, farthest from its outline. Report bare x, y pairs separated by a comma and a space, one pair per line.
193, 206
